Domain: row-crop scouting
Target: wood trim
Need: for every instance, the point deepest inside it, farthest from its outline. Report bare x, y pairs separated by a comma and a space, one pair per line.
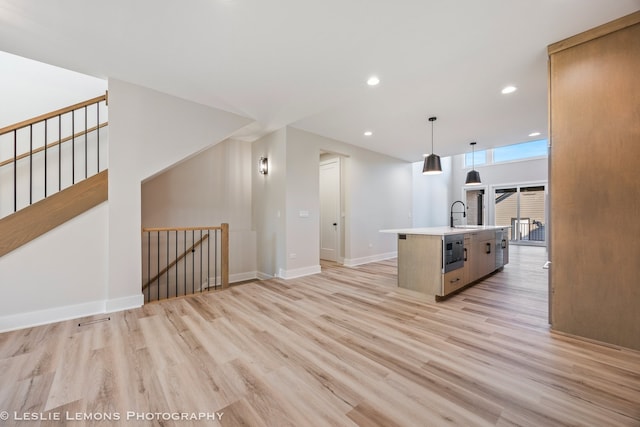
175, 261
602, 30
53, 144
550, 177
214, 227
52, 114
224, 255
33, 221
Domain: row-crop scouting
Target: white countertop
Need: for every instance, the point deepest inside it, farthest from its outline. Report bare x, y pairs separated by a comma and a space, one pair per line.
441, 231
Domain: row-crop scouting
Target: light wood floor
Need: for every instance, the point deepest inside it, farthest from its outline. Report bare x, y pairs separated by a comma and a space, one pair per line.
341, 348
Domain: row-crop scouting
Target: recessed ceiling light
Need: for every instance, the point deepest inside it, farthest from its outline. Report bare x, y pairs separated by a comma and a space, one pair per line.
373, 81
534, 134
509, 89
368, 133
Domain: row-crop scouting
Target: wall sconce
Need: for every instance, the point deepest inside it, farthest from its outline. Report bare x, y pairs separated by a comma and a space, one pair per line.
263, 166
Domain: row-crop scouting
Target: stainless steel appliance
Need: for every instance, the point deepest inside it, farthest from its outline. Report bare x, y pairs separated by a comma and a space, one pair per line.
452, 252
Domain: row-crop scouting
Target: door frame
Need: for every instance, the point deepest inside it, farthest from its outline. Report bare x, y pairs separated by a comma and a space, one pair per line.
485, 205
339, 214
518, 185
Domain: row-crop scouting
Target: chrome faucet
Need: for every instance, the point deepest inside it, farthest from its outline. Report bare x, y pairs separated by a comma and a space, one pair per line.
451, 212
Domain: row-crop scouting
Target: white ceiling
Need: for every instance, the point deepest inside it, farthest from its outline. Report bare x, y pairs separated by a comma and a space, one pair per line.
305, 63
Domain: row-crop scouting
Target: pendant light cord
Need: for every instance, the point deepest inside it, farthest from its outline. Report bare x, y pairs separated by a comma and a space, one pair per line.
473, 155
432, 136
432, 119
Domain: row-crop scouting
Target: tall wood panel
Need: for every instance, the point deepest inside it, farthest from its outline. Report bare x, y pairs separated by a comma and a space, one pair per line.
595, 183
420, 263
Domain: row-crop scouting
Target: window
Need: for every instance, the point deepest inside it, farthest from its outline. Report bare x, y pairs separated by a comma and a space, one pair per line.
522, 209
524, 150
479, 159
507, 153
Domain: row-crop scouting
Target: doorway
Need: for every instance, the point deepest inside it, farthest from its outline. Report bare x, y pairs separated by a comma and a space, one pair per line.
475, 202
522, 210
330, 208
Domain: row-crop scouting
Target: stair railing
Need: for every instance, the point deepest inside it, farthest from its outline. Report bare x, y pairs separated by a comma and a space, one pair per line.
184, 260
46, 154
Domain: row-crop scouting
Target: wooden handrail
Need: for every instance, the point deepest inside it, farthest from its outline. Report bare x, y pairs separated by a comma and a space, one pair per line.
43, 216
52, 114
224, 255
144, 230
53, 144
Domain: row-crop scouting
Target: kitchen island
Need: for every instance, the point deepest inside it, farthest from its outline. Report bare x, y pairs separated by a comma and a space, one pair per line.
439, 261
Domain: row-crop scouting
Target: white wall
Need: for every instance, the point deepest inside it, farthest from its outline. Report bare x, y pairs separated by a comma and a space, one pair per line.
149, 131
269, 203
211, 188
61, 275
303, 196
30, 88
379, 196
431, 195
378, 192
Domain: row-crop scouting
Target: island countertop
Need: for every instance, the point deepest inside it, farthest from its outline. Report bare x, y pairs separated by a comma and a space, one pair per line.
444, 230
440, 261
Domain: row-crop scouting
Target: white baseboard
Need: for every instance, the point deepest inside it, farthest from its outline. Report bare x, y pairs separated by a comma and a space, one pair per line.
49, 315
299, 272
241, 277
352, 262
67, 312
233, 278
263, 276
125, 303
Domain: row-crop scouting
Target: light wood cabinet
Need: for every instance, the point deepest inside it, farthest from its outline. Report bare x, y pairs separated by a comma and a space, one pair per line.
483, 258
420, 262
452, 281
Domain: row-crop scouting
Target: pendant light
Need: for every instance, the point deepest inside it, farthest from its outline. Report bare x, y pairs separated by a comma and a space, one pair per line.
432, 161
473, 176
